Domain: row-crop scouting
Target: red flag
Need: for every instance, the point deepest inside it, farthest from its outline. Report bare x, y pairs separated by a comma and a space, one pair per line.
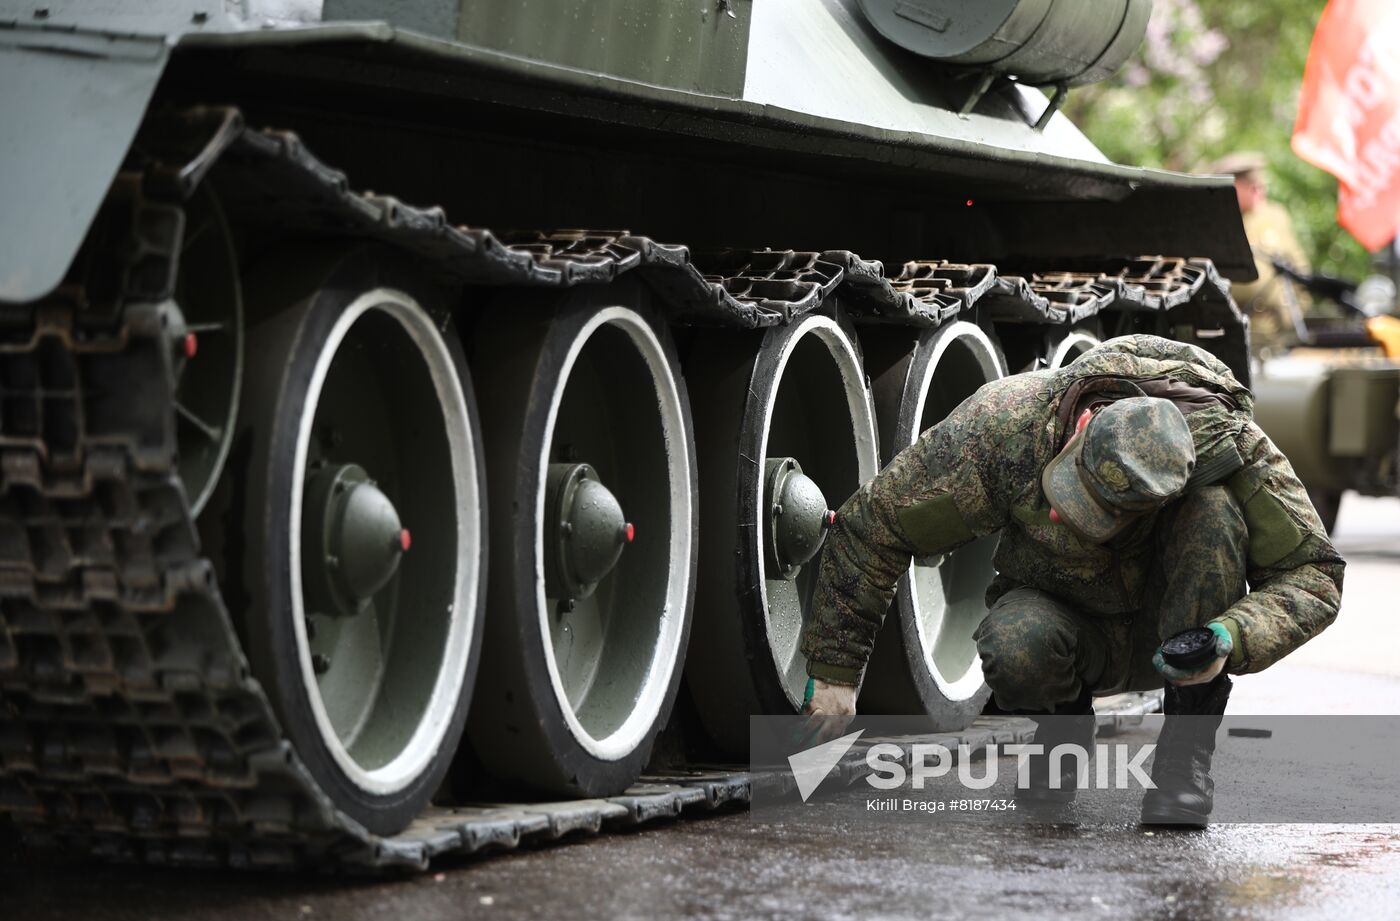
1349, 114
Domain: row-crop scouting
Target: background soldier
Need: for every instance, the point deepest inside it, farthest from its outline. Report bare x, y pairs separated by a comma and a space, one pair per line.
1135, 497
1271, 302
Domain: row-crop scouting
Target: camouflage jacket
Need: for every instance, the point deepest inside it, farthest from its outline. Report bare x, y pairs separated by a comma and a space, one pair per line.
978, 472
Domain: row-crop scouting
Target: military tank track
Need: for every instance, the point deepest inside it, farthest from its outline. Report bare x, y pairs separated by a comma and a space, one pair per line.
131, 723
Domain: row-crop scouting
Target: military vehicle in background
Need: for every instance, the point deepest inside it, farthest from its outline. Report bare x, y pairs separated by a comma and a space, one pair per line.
332, 455
1332, 402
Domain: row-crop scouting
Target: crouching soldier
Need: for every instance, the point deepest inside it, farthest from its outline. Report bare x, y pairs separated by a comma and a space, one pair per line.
1135, 498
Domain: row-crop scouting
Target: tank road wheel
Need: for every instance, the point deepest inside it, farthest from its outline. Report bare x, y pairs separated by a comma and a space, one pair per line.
365, 531
205, 326
592, 473
786, 432
1074, 344
925, 660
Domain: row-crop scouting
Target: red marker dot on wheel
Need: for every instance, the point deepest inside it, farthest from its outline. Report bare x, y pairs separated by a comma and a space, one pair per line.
405, 540
190, 345
629, 532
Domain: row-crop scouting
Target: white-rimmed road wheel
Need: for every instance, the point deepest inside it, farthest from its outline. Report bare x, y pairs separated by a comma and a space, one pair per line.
1071, 346
785, 433
365, 529
925, 660
592, 472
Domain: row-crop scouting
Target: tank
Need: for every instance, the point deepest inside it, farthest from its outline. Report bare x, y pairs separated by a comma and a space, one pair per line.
422, 403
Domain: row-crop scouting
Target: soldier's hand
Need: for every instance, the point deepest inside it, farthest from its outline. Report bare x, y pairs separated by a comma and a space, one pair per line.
826, 699
1224, 645
829, 708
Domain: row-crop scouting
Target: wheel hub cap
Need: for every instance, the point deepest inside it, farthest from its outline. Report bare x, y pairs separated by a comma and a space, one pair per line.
590, 531
799, 515
356, 537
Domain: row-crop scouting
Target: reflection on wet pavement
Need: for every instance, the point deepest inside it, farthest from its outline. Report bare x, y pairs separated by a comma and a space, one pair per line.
730, 866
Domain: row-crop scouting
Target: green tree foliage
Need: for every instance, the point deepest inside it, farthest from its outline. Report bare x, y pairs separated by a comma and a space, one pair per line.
1214, 77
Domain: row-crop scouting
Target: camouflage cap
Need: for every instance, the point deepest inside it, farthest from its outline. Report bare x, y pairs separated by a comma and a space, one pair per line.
1132, 457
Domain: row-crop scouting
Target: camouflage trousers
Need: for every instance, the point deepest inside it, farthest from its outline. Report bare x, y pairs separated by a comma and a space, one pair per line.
1039, 651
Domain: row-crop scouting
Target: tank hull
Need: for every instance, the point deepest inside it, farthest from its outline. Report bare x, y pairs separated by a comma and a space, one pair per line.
829, 149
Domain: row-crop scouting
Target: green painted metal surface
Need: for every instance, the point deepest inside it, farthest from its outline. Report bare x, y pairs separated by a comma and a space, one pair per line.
800, 517
585, 531
809, 78
1336, 420
1364, 412
1291, 406
1039, 41
354, 540
70, 105
699, 47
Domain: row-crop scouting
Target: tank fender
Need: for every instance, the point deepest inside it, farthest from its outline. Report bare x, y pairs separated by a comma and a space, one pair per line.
70, 104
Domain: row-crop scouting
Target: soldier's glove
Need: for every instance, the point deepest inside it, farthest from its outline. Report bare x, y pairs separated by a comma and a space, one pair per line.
1224, 645
829, 708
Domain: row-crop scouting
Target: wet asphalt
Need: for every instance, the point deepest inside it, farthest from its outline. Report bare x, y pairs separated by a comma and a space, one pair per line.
735, 866
731, 867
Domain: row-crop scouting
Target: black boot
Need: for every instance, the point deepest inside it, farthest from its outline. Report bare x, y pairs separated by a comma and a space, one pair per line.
1068, 723
1181, 768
